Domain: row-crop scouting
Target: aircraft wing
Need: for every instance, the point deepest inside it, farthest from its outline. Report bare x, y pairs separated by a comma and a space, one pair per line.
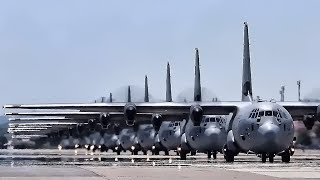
298, 109
80, 117
218, 108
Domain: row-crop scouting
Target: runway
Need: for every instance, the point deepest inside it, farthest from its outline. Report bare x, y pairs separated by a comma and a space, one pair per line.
83, 164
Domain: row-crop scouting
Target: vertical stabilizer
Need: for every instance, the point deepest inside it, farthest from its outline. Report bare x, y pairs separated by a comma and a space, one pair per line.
246, 72
129, 94
168, 85
146, 89
197, 85
110, 97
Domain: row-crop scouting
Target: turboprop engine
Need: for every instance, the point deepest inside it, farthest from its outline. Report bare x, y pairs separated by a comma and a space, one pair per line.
196, 113
156, 121
105, 120
130, 112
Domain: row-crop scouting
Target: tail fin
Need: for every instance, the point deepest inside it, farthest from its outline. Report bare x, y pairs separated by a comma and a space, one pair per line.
146, 89
168, 85
110, 97
197, 85
129, 94
246, 72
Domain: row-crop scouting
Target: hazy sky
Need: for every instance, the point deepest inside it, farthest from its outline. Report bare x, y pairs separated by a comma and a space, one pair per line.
75, 51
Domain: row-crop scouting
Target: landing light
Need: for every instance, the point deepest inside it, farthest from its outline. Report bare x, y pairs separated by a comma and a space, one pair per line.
99, 146
86, 146
179, 148
76, 146
59, 147
153, 147
116, 148
92, 147
132, 148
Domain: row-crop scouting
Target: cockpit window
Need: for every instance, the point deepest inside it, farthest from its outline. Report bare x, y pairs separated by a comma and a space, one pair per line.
268, 113
176, 124
212, 119
275, 113
261, 113
207, 120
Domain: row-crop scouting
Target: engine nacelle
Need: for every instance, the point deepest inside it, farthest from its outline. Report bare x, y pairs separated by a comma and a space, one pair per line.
105, 120
308, 121
116, 129
80, 128
70, 132
130, 112
156, 121
196, 114
91, 124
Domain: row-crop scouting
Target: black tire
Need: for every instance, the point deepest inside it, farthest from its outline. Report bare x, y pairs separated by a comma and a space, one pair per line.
214, 155
285, 157
229, 157
166, 152
145, 152
135, 152
193, 153
118, 152
209, 154
227, 154
271, 158
183, 155
156, 152
264, 157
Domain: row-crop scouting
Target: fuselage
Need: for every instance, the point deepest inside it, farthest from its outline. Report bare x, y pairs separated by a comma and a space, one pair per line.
146, 136
128, 139
170, 134
110, 140
263, 127
211, 135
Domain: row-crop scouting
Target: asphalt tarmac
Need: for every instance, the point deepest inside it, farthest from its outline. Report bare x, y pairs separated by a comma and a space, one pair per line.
83, 164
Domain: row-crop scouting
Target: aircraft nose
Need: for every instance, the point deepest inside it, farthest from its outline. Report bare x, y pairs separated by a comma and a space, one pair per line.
213, 133
269, 130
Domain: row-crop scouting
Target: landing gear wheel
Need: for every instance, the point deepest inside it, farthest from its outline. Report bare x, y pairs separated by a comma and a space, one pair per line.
193, 153
118, 152
134, 152
264, 157
155, 152
183, 155
144, 152
285, 157
214, 155
271, 158
228, 155
166, 152
209, 154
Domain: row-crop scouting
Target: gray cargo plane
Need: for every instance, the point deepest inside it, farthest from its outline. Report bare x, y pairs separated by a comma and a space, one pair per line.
264, 128
209, 135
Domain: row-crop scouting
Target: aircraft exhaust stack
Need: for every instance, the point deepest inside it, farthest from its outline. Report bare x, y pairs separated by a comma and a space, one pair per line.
197, 85
146, 89
168, 85
246, 76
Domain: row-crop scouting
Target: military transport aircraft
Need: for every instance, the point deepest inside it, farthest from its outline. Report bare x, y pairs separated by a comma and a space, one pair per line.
264, 128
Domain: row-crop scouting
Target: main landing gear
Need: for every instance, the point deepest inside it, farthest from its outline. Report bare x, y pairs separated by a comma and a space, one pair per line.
212, 154
264, 157
228, 155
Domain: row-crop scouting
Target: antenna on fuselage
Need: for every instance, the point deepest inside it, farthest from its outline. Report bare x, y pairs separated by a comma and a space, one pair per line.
146, 89
197, 85
168, 85
282, 93
246, 71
